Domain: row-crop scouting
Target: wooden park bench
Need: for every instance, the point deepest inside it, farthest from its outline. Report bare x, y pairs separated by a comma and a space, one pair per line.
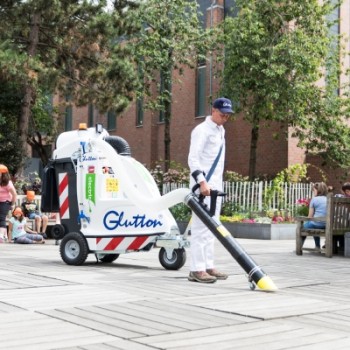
337, 224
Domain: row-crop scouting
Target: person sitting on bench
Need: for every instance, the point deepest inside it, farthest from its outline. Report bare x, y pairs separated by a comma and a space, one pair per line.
31, 211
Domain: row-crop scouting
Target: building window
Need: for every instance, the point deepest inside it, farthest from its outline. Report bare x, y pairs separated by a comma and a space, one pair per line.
68, 117
334, 31
206, 8
49, 104
111, 120
90, 115
139, 100
231, 9
48, 109
161, 117
201, 88
333, 17
139, 111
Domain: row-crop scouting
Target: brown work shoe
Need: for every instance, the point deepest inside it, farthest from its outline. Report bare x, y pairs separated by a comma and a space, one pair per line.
217, 274
201, 277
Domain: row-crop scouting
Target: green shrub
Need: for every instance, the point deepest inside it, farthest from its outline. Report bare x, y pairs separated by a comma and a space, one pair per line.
229, 208
31, 182
181, 212
232, 176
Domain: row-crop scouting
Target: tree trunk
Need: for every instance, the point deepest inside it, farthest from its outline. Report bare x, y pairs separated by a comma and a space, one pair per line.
28, 93
253, 148
37, 143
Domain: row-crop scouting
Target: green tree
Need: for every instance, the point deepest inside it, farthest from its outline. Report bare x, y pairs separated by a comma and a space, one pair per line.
71, 47
10, 153
171, 38
42, 123
275, 53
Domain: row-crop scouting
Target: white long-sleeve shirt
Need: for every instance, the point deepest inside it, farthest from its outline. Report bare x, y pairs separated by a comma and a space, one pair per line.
206, 140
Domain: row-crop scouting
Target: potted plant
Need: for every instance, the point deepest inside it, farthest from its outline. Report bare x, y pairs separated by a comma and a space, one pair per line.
182, 215
302, 207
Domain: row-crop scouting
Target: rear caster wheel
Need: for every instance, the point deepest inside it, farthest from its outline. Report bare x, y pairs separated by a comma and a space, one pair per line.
58, 232
175, 261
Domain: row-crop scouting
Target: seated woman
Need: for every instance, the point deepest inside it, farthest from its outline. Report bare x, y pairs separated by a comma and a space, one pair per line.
18, 230
317, 208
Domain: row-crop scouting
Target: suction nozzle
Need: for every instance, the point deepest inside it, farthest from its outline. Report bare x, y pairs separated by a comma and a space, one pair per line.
266, 284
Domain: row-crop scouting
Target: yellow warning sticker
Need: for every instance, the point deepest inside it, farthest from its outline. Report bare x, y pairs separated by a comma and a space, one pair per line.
223, 230
112, 185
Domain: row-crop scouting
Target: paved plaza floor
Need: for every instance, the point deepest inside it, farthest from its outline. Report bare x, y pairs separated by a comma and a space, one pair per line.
135, 304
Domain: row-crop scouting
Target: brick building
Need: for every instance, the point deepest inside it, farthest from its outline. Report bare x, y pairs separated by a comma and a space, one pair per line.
144, 130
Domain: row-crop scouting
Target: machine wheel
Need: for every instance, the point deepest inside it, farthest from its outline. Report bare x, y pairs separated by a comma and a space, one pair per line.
58, 231
109, 258
74, 249
176, 261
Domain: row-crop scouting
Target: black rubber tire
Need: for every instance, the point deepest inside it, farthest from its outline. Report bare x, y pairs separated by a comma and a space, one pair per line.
74, 249
58, 231
177, 260
109, 258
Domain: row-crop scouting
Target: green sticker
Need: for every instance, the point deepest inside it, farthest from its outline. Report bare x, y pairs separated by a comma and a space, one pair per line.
90, 187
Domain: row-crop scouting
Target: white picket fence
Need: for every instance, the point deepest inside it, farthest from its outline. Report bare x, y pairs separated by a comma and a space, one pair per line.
252, 196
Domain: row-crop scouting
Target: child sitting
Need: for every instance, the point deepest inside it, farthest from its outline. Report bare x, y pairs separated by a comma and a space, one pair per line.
18, 229
31, 211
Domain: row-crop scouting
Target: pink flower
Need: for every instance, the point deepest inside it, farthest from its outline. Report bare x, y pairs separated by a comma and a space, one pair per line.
249, 221
277, 219
302, 208
303, 201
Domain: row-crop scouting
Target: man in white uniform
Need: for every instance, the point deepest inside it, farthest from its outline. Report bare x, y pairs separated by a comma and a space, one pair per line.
207, 155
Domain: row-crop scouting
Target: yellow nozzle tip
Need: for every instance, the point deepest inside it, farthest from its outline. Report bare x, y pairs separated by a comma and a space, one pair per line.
267, 284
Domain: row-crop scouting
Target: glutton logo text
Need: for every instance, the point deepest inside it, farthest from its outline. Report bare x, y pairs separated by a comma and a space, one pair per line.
113, 219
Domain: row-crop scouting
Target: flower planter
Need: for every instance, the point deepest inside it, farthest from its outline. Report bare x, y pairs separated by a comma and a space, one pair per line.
255, 231
261, 231
182, 226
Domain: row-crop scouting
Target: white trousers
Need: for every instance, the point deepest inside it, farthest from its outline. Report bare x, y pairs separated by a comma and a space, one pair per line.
202, 241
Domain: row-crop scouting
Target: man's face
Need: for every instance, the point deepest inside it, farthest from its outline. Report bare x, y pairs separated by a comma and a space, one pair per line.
218, 117
347, 193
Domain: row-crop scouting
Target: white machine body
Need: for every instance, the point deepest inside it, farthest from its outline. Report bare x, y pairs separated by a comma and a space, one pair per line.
119, 206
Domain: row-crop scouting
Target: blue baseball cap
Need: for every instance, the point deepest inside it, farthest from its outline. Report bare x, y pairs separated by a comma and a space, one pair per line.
224, 105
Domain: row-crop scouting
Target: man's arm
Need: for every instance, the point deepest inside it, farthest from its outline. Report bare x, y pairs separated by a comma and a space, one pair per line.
195, 155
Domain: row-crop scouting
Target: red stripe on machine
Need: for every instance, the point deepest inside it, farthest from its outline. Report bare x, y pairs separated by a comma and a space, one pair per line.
63, 182
113, 243
64, 208
137, 243
63, 195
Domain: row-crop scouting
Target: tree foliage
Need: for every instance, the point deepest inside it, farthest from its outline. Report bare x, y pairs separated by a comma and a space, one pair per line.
171, 38
10, 152
276, 55
68, 46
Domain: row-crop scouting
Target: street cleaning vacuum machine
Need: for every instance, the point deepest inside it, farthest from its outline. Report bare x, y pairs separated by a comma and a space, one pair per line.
109, 204
104, 198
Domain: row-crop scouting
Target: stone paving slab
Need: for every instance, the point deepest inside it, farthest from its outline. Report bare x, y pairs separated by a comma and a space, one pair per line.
135, 304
